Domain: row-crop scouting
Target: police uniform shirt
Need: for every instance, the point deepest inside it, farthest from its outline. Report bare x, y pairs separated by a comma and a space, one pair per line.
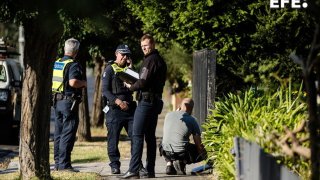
74, 72
152, 75
107, 77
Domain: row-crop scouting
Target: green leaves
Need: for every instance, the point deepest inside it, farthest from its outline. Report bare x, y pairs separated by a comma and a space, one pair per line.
253, 115
245, 34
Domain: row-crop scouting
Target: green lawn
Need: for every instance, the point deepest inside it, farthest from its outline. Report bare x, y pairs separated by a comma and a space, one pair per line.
83, 152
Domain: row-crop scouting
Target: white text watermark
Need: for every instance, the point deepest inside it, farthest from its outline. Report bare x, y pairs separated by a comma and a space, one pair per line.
295, 4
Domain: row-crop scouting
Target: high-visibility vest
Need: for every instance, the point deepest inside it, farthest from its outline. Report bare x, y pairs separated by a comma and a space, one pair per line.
117, 83
117, 69
57, 78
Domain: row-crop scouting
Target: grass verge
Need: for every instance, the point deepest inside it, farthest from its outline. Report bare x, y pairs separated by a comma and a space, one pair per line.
83, 152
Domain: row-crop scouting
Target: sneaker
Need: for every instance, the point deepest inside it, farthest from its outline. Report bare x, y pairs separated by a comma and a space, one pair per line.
170, 170
180, 167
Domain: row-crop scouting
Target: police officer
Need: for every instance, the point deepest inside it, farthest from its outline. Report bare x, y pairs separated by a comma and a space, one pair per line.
150, 87
67, 82
120, 104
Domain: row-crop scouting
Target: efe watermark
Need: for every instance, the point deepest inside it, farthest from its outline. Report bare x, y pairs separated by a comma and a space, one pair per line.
295, 4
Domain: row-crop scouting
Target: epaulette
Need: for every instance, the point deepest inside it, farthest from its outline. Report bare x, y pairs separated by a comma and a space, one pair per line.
110, 62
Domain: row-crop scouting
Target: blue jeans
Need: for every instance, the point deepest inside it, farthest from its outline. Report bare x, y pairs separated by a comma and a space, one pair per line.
66, 125
116, 120
144, 127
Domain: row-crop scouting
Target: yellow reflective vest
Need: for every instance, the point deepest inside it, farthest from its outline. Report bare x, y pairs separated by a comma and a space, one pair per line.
57, 78
117, 69
117, 84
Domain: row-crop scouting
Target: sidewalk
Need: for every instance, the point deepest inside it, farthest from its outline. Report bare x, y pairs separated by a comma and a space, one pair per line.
104, 170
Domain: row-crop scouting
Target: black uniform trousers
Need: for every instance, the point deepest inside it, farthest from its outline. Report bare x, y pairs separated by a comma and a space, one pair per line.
116, 120
66, 125
144, 128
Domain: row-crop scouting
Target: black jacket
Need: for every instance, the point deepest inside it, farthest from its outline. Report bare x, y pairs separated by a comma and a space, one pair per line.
113, 87
152, 74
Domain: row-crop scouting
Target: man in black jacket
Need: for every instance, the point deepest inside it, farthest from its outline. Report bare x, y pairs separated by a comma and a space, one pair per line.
150, 85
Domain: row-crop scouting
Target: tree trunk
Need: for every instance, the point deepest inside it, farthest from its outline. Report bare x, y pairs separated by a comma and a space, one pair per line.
84, 133
40, 50
311, 74
97, 116
313, 126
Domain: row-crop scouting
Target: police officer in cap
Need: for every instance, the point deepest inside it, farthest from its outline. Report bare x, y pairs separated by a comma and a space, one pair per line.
120, 105
67, 82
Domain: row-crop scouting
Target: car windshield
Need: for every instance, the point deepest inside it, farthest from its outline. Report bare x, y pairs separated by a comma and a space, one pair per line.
3, 76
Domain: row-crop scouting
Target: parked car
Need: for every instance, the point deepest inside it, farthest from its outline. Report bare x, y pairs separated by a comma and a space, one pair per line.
10, 94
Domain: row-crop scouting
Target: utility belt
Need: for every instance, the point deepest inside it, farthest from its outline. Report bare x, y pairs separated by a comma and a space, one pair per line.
189, 155
171, 155
76, 99
148, 96
59, 96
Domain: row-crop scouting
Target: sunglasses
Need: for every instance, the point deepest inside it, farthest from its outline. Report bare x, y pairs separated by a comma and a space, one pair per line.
128, 55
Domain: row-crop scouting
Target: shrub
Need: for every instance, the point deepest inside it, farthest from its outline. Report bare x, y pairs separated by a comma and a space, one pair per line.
253, 114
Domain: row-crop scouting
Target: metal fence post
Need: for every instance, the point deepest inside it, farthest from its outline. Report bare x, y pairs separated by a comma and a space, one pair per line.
252, 163
203, 83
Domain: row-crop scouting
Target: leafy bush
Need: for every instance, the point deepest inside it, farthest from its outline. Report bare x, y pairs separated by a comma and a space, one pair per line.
253, 115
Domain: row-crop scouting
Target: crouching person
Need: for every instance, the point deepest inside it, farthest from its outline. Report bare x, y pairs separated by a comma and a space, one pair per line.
175, 146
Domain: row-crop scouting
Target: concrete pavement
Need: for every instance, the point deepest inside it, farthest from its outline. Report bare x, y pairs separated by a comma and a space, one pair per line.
104, 170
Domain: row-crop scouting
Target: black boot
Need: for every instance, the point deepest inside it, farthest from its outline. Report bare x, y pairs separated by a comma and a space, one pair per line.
170, 170
145, 174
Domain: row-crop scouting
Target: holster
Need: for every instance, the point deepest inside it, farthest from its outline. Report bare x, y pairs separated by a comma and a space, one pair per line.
108, 103
138, 96
76, 100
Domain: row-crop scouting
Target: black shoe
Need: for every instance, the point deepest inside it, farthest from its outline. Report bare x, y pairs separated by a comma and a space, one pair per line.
180, 167
69, 169
170, 170
150, 175
145, 174
115, 170
129, 175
